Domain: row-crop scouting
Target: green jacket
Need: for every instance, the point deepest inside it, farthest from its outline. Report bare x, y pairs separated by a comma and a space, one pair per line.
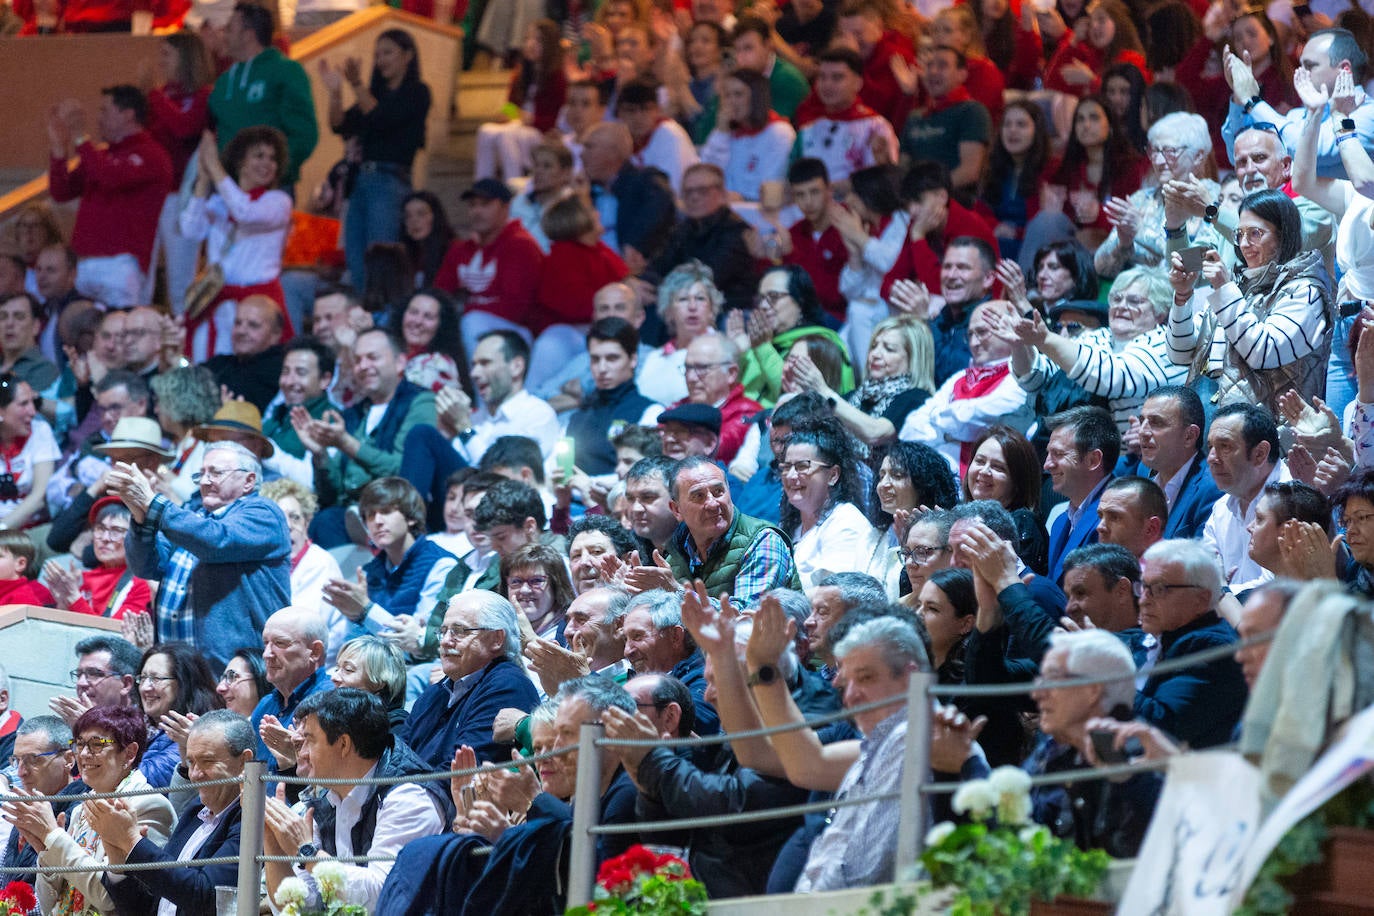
722, 563
761, 367
339, 479
272, 90
277, 425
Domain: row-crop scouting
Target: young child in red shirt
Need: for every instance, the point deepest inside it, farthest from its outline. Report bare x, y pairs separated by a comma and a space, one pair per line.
18, 571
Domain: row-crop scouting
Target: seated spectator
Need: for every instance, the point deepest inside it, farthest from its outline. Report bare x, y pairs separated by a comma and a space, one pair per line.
635, 205
122, 188
509, 514
659, 142
186, 398
20, 355
1006, 469
648, 487
689, 429
239, 208
865, 24
731, 552
374, 665
1243, 455
44, 761
1282, 509
1010, 185
110, 590
348, 450
538, 88
1011, 41
394, 815
244, 682
967, 277
293, 654
788, 309
822, 495
954, 128
497, 268
969, 402
311, 565
839, 131
1132, 513
830, 601
10, 719
106, 667
174, 686
1172, 448
479, 652
1354, 501
218, 745
1082, 452
1102, 584
550, 181
118, 393
109, 742
911, 479
426, 234
1111, 38
752, 146
656, 642
689, 304
713, 380
756, 47
613, 345
1202, 704
252, 368
428, 323
1267, 331
947, 606
534, 579
18, 558
591, 538
711, 233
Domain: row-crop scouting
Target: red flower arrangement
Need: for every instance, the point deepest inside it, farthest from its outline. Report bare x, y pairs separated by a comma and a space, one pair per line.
17, 899
643, 881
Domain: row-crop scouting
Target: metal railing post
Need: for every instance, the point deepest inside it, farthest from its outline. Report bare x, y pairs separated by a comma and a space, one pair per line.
254, 804
915, 770
586, 807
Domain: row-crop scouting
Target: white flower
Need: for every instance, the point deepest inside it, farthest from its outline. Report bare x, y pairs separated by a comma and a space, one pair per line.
1008, 779
291, 892
939, 833
975, 797
331, 877
1013, 809
1029, 832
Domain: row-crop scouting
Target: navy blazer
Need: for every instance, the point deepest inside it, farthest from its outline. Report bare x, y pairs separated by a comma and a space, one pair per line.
1084, 533
435, 729
1200, 705
1193, 506
191, 889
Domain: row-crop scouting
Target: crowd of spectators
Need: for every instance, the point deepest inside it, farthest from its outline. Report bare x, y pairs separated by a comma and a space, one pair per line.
774, 354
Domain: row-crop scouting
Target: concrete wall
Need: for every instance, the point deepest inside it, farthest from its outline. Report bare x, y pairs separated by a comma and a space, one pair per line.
36, 648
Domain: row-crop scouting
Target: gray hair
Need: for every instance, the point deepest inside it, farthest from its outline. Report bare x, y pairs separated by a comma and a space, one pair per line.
125, 657
795, 604
496, 613
1097, 653
54, 728
543, 714
247, 461
940, 519
729, 350
235, 729
383, 665
617, 607
898, 641
305, 621
684, 277
189, 396
855, 588
600, 692
664, 607
1187, 129
1201, 567
1157, 288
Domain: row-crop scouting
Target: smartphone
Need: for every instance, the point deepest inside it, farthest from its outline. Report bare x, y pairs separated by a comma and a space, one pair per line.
565, 453
1192, 257
1104, 746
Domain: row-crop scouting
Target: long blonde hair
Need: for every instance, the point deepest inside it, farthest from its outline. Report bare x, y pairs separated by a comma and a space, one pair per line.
919, 346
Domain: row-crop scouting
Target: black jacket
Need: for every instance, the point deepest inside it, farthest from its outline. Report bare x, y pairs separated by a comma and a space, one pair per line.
718, 242
191, 888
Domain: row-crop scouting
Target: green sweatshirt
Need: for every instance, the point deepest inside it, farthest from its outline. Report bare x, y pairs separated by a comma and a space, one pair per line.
272, 90
761, 367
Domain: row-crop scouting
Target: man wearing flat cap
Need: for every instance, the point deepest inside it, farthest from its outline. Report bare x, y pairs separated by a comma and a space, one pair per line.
689, 429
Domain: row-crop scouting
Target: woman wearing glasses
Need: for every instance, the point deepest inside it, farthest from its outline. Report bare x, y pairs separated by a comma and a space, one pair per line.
109, 742
111, 589
786, 309
174, 685
1252, 334
821, 497
535, 580
244, 682
689, 303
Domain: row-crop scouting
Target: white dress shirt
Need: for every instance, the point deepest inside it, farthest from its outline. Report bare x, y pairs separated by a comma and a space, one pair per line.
521, 414
1225, 532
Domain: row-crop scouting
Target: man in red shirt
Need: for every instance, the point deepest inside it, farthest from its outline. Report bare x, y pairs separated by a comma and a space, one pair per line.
936, 219
498, 265
122, 188
712, 369
817, 246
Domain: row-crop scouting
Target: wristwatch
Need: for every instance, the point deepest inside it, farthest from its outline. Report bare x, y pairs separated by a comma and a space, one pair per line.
1209, 215
308, 851
1250, 105
765, 675
1347, 125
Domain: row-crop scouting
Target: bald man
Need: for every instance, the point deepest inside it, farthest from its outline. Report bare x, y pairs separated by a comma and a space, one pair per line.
636, 205
253, 369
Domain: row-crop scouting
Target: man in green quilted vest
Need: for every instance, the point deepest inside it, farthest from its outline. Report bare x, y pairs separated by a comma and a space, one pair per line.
731, 552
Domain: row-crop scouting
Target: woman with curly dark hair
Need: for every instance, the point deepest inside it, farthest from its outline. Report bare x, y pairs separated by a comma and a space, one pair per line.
428, 321
427, 235
822, 493
911, 478
1005, 468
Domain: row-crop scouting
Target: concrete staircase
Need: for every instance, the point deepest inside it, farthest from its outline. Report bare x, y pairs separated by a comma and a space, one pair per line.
480, 97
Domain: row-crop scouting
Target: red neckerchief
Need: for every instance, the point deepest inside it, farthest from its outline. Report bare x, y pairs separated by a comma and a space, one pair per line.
11, 450
181, 459
954, 97
296, 560
1288, 189
639, 147
856, 112
773, 118
978, 381
882, 226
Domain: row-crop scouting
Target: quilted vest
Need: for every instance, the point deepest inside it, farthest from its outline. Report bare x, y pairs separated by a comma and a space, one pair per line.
719, 568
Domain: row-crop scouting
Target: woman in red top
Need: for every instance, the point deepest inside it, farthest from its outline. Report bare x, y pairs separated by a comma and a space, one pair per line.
178, 113
957, 27
1098, 163
111, 589
1111, 38
578, 265
1011, 39
537, 91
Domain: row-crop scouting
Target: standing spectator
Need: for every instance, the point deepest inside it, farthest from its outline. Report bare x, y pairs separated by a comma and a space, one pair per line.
1110, 38
863, 22
178, 111
388, 123
239, 208
122, 189
428, 234
497, 266
538, 89
263, 88
222, 566
840, 130
752, 144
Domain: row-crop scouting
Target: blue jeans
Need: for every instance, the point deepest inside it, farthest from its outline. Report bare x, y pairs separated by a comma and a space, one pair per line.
374, 215
1341, 386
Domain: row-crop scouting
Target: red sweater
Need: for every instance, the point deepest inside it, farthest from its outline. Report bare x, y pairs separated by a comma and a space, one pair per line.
1130, 175
1083, 51
25, 591
122, 189
501, 277
823, 259
100, 585
985, 84
547, 97
572, 274
735, 416
176, 119
920, 260
881, 91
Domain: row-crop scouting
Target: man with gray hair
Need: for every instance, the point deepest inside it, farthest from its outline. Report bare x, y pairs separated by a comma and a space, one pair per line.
713, 374
294, 641
479, 651
833, 597
1181, 583
223, 566
43, 760
657, 643
218, 746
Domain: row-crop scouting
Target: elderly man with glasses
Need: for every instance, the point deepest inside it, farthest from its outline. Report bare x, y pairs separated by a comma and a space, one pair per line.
106, 667
224, 566
43, 759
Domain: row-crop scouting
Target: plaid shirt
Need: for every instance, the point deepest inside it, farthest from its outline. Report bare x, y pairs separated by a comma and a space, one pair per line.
175, 618
767, 566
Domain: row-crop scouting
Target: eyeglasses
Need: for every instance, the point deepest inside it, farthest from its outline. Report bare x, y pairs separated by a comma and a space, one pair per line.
213, 475
29, 761
92, 745
1251, 234
771, 296
138, 332
1135, 303
92, 675
802, 468
1159, 590
231, 677
920, 554
1358, 519
702, 190
1066, 328
700, 369
1168, 152
535, 583
110, 532
146, 679
459, 632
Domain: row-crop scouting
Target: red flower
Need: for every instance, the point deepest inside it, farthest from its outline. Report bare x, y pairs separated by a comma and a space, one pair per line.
19, 894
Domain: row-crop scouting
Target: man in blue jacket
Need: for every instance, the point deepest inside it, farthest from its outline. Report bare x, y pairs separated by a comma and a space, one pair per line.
223, 567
